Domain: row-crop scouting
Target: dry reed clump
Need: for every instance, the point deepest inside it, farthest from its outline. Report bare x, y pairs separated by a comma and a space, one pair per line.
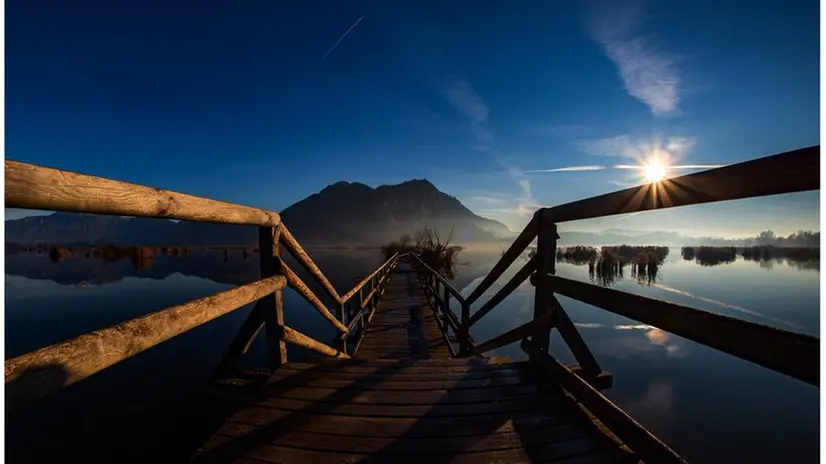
710, 256
437, 253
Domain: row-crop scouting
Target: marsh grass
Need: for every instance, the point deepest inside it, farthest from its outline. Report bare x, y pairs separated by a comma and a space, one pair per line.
710, 256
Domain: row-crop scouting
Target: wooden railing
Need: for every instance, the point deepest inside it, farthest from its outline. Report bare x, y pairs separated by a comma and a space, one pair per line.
793, 354
30, 377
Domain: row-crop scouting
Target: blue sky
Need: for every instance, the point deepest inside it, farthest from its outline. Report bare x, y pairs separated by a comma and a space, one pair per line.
264, 103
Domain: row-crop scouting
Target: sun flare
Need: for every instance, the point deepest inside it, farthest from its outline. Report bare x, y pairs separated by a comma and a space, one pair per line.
654, 171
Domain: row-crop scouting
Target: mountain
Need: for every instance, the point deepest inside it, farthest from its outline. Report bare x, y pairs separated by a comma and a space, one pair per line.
344, 213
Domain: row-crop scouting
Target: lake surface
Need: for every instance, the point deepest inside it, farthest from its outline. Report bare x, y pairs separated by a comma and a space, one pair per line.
707, 405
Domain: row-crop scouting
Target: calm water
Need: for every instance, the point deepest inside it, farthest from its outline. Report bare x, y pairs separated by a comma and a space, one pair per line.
709, 406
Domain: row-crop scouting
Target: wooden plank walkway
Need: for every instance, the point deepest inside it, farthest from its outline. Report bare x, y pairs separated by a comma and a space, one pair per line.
403, 325
403, 399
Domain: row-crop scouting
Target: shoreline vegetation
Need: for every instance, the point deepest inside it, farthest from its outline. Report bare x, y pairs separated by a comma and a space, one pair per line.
436, 252
607, 264
713, 256
141, 256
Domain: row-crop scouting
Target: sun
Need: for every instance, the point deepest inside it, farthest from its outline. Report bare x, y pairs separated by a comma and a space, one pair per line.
654, 171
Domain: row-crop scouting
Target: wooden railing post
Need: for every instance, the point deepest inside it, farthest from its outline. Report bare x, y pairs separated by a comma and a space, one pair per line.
543, 294
464, 330
269, 244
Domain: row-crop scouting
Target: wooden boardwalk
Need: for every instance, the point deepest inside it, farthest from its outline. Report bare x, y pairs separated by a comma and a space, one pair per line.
403, 399
405, 395
403, 325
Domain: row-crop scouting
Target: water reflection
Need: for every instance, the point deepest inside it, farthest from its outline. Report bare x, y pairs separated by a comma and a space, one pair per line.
655, 404
764, 256
676, 387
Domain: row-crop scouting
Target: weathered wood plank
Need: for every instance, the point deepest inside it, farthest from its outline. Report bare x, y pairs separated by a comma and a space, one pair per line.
356, 369
34, 375
431, 363
498, 381
403, 397
402, 324
31, 186
410, 410
379, 375
298, 285
789, 172
417, 446
411, 427
541, 453
793, 354
294, 336
638, 438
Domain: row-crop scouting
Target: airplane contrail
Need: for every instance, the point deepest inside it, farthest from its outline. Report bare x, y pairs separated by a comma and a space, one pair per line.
341, 38
682, 166
569, 169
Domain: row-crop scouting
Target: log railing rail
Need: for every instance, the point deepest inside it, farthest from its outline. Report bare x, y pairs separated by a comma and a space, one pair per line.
30, 377
789, 353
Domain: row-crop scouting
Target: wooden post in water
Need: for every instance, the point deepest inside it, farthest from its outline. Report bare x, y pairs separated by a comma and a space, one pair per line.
269, 244
543, 294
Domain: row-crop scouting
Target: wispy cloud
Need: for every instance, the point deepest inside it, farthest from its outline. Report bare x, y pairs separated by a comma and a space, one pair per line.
458, 91
487, 200
461, 95
342, 38
649, 73
668, 150
568, 169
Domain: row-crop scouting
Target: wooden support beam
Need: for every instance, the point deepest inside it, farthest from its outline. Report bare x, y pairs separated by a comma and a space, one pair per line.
546, 264
298, 285
572, 338
793, 171
294, 336
359, 286
355, 321
440, 278
34, 375
517, 247
31, 186
272, 306
505, 291
514, 335
648, 447
307, 263
790, 353
242, 342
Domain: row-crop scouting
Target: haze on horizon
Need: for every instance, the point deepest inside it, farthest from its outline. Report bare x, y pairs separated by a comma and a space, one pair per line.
506, 108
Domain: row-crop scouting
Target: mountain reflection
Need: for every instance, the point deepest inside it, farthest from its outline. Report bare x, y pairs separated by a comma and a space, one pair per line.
85, 266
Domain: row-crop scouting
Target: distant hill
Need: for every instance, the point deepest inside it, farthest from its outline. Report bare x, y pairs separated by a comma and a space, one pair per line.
343, 213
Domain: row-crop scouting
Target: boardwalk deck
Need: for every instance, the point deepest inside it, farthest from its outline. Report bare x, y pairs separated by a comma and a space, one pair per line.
403, 325
381, 410
403, 399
